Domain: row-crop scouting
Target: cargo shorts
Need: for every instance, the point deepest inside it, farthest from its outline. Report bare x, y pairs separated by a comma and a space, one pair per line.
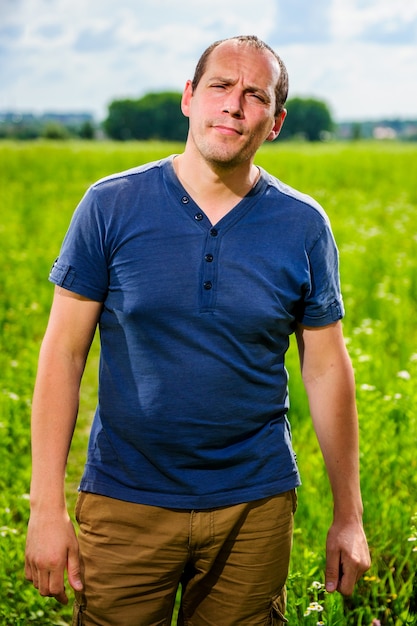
230, 563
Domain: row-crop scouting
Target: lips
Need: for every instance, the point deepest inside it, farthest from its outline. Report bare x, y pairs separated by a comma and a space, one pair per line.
227, 130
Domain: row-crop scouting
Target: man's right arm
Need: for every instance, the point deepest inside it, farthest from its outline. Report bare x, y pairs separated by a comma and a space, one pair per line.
51, 545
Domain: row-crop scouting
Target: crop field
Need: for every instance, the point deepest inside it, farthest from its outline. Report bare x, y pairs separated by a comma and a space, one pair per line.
369, 191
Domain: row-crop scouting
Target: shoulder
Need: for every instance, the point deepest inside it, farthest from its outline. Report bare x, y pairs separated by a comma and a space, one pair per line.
134, 175
304, 204
122, 191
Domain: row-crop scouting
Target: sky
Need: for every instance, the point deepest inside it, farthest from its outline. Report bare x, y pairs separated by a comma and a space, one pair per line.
358, 56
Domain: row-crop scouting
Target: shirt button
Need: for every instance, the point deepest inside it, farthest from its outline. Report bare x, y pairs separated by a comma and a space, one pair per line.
185, 199
198, 217
208, 285
214, 232
209, 258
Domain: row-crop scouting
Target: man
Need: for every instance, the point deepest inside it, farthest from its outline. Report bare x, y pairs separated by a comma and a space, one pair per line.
197, 269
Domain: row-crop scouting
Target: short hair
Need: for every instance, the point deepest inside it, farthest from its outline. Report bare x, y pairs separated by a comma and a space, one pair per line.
281, 88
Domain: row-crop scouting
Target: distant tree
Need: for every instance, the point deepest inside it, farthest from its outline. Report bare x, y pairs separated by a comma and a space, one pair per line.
23, 131
121, 122
55, 130
307, 118
155, 116
356, 131
86, 130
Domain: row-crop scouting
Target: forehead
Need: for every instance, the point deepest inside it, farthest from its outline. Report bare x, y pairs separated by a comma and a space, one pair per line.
234, 57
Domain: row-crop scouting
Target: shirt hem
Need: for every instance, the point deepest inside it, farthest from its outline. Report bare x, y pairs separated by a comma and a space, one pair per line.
186, 502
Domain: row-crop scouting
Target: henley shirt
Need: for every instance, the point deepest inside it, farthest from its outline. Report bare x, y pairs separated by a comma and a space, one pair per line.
196, 319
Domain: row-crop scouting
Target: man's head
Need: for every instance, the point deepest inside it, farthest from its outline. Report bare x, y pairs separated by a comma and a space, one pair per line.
281, 87
235, 102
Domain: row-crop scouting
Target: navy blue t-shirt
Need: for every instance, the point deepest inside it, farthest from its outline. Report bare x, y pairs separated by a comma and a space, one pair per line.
194, 328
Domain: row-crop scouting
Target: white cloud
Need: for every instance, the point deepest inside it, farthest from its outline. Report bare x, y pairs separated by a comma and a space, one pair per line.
352, 18
361, 56
69, 53
358, 81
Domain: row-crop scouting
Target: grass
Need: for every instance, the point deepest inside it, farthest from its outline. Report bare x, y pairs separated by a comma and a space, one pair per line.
369, 192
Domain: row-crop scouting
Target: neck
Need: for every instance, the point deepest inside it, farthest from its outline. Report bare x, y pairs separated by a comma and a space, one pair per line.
203, 179
216, 191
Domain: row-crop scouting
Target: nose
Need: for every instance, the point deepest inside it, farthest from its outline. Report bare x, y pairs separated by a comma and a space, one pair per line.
233, 104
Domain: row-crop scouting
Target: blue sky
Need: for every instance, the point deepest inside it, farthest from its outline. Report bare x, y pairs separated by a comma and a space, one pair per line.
360, 56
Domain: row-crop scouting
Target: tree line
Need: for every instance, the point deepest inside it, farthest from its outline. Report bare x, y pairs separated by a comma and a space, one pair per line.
156, 116
159, 116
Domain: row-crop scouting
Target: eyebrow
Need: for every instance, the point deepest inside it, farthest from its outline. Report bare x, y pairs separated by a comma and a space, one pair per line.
248, 89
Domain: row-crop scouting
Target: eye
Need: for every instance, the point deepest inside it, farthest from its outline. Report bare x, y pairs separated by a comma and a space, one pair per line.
256, 96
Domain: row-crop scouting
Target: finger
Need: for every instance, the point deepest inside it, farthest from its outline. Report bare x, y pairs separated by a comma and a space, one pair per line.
28, 571
57, 587
342, 583
74, 569
32, 575
50, 585
347, 583
333, 571
42, 577
61, 597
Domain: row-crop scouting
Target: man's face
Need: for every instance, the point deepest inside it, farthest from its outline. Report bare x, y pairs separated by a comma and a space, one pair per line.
232, 110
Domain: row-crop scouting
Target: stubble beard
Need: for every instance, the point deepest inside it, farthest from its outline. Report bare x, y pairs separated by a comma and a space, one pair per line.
222, 155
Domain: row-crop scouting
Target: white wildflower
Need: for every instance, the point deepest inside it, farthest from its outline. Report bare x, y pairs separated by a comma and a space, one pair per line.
366, 387
404, 375
317, 585
5, 530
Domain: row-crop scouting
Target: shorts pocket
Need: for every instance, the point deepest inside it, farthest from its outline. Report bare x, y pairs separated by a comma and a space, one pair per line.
77, 617
78, 609
278, 609
294, 500
78, 505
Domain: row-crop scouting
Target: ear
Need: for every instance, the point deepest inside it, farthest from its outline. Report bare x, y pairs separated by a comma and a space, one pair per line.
187, 94
277, 126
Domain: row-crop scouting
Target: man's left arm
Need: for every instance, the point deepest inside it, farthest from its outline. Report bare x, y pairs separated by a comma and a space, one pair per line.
329, 381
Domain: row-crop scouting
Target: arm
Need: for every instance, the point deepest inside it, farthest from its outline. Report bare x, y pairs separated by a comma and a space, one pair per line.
328, 378
51, 545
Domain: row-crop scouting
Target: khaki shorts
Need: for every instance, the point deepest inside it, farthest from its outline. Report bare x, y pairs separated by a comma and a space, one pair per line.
231, 563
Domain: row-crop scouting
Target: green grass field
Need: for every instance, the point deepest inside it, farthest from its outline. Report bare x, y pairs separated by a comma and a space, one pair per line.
370, 194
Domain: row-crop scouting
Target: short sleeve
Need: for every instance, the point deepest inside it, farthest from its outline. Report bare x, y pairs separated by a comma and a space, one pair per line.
81, 266
323, 303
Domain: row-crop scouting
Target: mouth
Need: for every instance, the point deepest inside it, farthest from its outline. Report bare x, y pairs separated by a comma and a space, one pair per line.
227, 130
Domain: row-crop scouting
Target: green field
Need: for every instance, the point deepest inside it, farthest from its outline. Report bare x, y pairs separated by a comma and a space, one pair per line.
370, 193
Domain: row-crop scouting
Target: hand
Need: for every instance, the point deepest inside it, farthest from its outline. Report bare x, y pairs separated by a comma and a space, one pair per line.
52, 548
347, 557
